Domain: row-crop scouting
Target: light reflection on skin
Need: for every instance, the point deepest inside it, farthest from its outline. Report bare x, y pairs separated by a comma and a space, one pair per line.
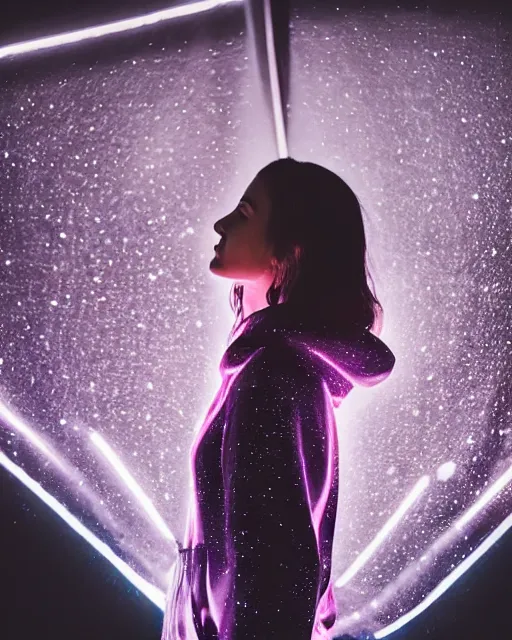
244, 255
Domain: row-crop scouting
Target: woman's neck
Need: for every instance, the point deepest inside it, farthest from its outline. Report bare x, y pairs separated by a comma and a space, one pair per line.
255, 294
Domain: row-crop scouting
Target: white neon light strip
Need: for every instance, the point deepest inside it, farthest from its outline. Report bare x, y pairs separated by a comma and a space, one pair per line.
445, 584
367, 553
491, 493
113, 27
11, 421
132, 484
150, 591
446, 539
441, 543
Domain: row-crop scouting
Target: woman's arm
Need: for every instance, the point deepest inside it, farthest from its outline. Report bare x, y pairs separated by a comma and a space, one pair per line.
269, 533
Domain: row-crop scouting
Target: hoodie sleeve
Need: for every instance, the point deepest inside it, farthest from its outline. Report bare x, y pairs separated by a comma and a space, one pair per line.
270, 540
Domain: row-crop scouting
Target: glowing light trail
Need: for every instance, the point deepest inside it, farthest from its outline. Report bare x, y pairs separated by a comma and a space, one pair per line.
390, 593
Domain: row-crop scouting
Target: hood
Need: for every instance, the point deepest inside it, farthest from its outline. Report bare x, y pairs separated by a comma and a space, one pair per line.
343, 357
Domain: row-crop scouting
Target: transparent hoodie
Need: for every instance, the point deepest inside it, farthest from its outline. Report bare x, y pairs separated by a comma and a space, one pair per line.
256, 558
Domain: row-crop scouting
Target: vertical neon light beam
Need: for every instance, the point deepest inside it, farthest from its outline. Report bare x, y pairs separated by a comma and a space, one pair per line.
277, 107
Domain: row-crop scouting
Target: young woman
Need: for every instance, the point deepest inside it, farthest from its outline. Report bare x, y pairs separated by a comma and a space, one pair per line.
256, 558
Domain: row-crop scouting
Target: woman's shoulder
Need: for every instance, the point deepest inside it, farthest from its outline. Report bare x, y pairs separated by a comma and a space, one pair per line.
278, 363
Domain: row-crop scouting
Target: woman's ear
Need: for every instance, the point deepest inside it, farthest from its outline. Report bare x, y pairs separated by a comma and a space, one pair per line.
277, 271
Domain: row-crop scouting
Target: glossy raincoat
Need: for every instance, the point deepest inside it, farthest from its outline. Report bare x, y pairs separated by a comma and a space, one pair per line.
255, 563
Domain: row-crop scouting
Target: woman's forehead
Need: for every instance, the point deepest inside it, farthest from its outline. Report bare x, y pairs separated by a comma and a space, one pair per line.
256, 195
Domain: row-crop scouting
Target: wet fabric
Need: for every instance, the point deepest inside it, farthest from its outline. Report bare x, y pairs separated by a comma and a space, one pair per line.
255, 563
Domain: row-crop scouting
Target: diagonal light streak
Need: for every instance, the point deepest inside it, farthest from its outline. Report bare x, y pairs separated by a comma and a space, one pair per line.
8, 417
113, 27
408, 574
484, 500
445, 540
445, 584
10, 421
150, 591
366, 554
132, 485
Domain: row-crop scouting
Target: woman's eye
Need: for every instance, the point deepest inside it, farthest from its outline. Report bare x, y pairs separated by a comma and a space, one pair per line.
241, 212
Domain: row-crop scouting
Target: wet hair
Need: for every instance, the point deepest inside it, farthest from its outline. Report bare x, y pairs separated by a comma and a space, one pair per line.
316, 230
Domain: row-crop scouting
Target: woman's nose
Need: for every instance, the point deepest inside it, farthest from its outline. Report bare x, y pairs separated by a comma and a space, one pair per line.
218, 228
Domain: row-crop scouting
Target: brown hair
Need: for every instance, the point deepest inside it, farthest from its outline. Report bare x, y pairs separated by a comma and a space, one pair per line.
317, 233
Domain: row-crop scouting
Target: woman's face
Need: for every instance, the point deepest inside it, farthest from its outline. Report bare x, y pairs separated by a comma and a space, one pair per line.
242, 254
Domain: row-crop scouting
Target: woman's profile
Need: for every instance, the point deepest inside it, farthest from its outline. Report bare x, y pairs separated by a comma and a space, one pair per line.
255, 563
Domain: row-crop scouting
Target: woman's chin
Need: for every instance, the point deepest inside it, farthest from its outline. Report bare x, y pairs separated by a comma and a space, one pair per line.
217, 267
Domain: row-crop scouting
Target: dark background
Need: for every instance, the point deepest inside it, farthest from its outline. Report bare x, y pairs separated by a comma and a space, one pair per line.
55, 585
